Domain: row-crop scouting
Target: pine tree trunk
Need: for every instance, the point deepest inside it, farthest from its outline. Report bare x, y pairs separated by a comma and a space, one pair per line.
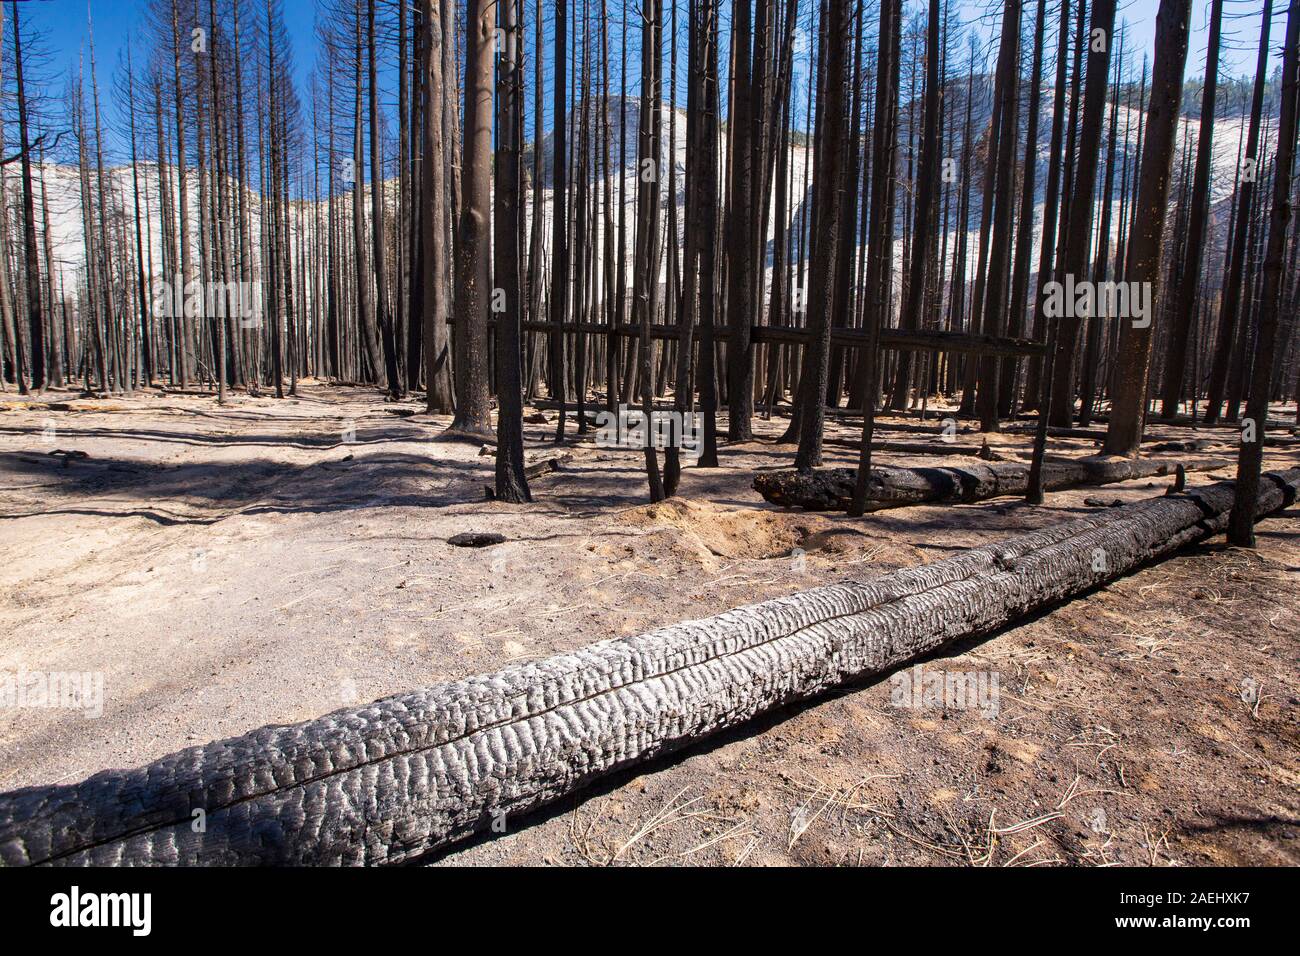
880, 243
1009, 375
31, 262
740, 244
1007, 89
382, 309
1133, 360
473, 238
559, 292
1074, 259
828, 180
435, 250
511, 482
1249, 169
1241, 525
365, 316
401, 777
1185, 296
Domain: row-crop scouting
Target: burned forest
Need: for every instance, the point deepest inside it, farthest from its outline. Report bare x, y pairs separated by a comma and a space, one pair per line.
684, 433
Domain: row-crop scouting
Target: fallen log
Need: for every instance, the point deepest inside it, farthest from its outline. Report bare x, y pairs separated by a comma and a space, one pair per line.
831, 489
391, 781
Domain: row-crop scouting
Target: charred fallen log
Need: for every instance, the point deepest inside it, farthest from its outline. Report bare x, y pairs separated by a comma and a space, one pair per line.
831, 489
405, 775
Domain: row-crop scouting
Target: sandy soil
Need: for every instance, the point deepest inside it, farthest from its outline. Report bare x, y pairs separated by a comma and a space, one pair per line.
266, 562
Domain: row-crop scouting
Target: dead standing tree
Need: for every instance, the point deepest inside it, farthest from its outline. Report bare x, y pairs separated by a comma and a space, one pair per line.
434, 218
880, 256
701, 165
1241, 530
35, 319
511, 482
1008, 380
1005, 126
1128, 410
365, 314
1074, 256
473, 238
828, 181
559, 290
392, 372
1186, 300
740, 249
1248, 170
646, 279
925, 223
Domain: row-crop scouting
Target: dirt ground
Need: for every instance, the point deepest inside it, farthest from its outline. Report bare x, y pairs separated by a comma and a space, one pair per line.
269, 561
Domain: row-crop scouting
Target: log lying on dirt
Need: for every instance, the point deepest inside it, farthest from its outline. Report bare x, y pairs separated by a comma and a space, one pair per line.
831, 489
391, 781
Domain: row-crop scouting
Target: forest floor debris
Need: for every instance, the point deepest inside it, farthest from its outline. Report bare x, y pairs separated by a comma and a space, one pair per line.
227, 567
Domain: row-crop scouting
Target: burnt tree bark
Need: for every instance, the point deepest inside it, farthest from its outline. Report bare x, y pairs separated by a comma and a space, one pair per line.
1186, 302
473, 238
828, 181
1074, 259
511, 482
831, 489
435, 247
1249, 173
1241, 525
1007, 90
1133, 360
880, 256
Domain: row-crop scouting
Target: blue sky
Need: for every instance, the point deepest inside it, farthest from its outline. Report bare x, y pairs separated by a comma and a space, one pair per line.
63, 24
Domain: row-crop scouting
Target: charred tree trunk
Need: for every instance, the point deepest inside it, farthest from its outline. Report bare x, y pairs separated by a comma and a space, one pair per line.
31, 261
1074, 260
511, 482
559, 297
924, 224
740, 246
1186, 299
385, 316
1128, 408
435, 247
1241, 526
831, 489
646, 280
473, 238
365, 316
995, 287
1034, 397
880, 243
828, 181
1249, 168
1009, 377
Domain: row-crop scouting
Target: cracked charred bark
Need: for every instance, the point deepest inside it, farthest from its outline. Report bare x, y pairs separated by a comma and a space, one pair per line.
831, 489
